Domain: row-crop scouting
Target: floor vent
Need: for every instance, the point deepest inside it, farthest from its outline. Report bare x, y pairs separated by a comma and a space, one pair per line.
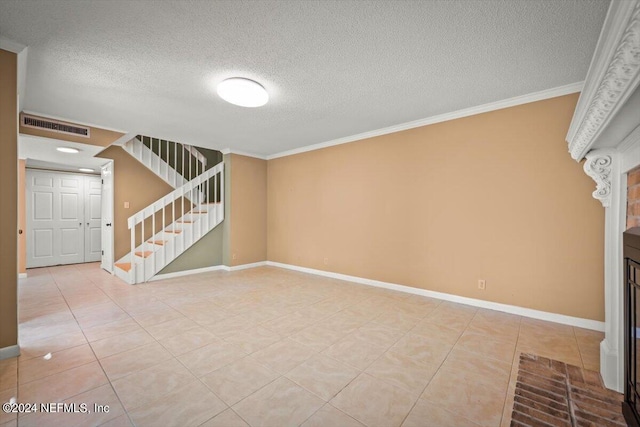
55, 126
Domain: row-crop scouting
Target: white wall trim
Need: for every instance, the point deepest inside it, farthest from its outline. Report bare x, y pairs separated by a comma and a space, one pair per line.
245, 266
506, 308
22, 275
466, 112
9, 352
207, 270
187, 272
630, 150
243, 153
11, 46
613, 75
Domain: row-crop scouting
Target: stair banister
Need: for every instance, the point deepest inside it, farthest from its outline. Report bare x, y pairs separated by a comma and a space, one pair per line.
195, 190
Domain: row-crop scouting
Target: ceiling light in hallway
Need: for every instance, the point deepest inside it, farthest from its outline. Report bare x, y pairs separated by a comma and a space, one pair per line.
243, 92
86, 170
68, 150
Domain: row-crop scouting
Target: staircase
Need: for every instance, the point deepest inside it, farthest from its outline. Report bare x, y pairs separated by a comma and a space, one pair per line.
173, 162
166, 228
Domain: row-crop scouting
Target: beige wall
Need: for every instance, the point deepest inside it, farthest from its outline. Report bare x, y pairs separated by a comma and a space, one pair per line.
135, 184
22, 217
247, 199
98, 136
9, 197
493, 196
206, 252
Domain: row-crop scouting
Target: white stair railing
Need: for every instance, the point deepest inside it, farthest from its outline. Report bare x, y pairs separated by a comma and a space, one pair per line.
177, 221
175, 163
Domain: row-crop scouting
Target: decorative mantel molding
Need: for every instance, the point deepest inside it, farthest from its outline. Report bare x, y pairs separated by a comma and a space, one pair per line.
613, 76
599, 166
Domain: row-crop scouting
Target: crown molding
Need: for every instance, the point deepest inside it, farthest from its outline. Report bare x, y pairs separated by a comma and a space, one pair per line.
613, 76
466, 112
11, 46
243, 153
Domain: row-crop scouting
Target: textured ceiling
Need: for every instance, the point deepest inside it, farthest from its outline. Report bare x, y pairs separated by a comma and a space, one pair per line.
333, 69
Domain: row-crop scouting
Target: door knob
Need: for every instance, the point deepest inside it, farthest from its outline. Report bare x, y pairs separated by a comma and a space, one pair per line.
108, 224
19, 231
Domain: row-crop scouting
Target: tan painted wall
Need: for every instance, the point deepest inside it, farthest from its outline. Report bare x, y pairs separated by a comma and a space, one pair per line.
135, 184
248, 203
493, 196
206, 252
98, 136
9, 197
22, 217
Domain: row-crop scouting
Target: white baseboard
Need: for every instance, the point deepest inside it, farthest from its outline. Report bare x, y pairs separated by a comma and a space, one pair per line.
22, 275
245, 266
506, 308
609, 365
187, 272
206, 270
8, 352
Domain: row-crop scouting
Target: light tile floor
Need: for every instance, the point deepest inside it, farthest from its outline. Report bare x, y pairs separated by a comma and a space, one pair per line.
267, 347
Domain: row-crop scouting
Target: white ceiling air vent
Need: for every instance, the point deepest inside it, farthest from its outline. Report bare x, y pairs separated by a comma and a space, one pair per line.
55, 126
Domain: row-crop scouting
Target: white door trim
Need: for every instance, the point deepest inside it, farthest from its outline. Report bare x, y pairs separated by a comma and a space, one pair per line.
107, 232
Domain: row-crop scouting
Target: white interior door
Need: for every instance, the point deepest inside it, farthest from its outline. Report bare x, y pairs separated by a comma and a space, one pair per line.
92, 218
107, 217
55, 218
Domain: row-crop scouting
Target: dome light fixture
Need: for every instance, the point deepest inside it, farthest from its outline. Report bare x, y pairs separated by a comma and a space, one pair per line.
243, 92
69, 150
86, 170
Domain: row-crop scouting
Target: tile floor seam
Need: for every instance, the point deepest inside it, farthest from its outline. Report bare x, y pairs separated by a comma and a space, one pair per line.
290, 295
434, 374
98, 360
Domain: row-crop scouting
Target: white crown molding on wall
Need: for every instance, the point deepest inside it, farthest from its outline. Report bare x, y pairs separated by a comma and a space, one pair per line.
11, 46
466, 112
243, 153
613, 76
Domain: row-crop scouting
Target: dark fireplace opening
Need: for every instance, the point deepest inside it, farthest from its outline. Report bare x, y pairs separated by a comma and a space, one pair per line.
631, 404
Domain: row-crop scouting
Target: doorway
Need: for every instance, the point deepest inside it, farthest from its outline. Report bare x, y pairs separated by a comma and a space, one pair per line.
63, 218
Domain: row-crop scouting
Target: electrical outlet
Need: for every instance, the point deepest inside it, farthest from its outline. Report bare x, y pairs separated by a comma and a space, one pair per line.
482, 284
233, 256
126, 205
326, 261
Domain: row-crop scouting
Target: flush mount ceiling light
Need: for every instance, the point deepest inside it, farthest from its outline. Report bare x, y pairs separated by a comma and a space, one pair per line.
86, 170
243, 92
68, 150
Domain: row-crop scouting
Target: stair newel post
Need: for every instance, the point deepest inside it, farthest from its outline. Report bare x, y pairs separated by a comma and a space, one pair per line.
206, 192
142, 240
173, 220
182, 216
215, 197
199, 191
164, 224
132, 270
153, 233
